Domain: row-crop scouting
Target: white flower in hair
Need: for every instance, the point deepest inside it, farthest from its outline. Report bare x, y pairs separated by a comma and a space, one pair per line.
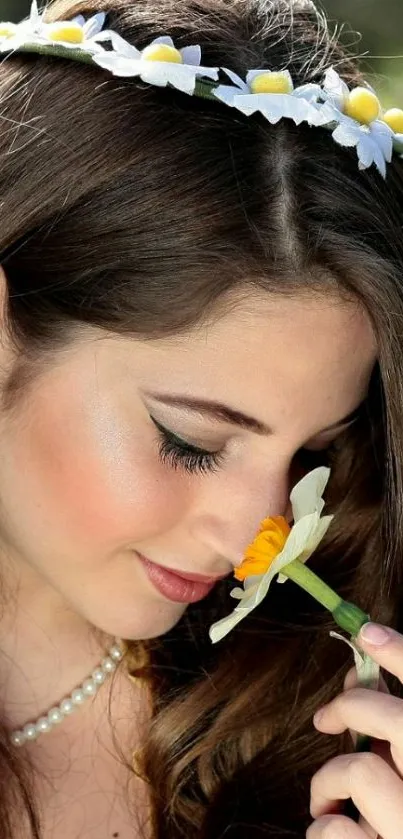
160, 63
72, 34
272, 94
357, 115
394, 118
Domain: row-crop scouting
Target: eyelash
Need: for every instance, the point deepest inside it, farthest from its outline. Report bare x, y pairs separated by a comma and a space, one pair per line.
181, 455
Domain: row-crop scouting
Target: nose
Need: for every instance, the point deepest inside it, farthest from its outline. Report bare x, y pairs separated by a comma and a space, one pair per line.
228, 520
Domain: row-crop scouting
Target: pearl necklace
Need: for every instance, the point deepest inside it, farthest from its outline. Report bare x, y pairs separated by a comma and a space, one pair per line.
70, 703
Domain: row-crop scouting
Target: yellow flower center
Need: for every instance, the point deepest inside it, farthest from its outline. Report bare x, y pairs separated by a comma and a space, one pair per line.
7, 30
271, 82
162, 52
362, 105
394, 118
266, 547
70, 32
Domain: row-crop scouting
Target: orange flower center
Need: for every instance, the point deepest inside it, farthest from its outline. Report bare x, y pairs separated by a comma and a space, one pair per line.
269, 542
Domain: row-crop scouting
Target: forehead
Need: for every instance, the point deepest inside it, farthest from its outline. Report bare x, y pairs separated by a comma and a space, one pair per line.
275, 356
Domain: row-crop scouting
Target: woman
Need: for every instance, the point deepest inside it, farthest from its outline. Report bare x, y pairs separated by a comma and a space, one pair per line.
198, 307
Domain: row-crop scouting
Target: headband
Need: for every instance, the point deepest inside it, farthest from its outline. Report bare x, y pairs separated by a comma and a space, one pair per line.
354, 117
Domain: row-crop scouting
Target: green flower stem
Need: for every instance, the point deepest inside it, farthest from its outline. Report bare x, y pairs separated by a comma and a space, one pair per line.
58, 51
348, 616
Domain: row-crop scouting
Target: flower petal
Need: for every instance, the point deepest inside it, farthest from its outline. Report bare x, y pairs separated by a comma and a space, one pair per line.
310, 92
237, 593
226, 93
119, 65
368, 153
34, 17
121, 46
383, 136
368, 670
335, 88
347, 134
191, 55
327, 114
275, 106
180, 76
222, 627
94, 25
306, 497
163, 39
236, 80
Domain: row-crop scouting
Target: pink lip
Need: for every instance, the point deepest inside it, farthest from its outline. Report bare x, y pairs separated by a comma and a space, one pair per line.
177, 586
197, 578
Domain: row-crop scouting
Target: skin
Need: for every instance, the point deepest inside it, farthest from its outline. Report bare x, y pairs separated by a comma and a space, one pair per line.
82, 486
357, 776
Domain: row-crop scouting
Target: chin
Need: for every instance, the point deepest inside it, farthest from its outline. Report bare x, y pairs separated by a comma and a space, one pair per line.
142, 623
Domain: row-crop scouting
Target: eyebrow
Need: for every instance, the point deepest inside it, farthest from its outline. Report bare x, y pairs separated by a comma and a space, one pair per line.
223, 413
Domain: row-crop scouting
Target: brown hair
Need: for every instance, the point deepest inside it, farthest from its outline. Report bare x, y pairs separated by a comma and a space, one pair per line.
138, 210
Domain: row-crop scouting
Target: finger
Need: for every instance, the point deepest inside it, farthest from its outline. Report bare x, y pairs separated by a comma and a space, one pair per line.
387, 650
368, 712
350, 682
372, 785
335, 826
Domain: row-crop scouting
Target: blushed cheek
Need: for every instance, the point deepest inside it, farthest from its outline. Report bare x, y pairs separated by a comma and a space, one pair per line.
98, 485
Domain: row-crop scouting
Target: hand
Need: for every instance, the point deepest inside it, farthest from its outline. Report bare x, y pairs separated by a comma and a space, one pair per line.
373, 780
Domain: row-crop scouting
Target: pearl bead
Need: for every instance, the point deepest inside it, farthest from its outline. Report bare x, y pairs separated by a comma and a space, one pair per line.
99, 676
116, 653
67, 706
18, 738
108, 665
90, 687
43, 725
30, 731
78, 696
55, 716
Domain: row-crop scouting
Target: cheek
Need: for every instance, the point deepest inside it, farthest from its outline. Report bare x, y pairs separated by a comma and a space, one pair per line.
95, 481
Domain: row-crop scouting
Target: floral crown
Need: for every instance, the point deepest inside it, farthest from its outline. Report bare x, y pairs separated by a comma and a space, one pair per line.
355, 117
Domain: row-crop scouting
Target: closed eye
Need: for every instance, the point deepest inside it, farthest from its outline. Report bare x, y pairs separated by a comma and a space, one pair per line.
178, 453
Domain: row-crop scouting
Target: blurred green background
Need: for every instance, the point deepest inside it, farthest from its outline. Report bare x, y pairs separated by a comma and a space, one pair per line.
379, 22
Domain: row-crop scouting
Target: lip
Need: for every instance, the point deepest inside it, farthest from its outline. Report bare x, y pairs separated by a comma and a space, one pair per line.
178, 586
194, 578
197, 578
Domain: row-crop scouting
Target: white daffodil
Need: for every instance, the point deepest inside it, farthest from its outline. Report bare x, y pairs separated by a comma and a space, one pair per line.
272, 94
357, 119
160, 63
276, 546
72, 34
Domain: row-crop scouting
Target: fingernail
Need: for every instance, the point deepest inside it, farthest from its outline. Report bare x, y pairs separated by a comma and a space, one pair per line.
375, 634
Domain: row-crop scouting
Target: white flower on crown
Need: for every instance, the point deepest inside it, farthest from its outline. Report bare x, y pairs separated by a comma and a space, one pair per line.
357, 115
271, 93
72, 34
160, 63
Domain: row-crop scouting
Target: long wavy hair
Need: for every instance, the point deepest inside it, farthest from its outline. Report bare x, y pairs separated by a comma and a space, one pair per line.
138, 210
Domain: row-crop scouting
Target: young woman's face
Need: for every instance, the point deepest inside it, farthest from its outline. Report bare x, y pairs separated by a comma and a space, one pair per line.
88, 481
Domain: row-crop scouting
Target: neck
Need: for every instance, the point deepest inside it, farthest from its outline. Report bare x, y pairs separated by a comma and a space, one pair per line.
46, 649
